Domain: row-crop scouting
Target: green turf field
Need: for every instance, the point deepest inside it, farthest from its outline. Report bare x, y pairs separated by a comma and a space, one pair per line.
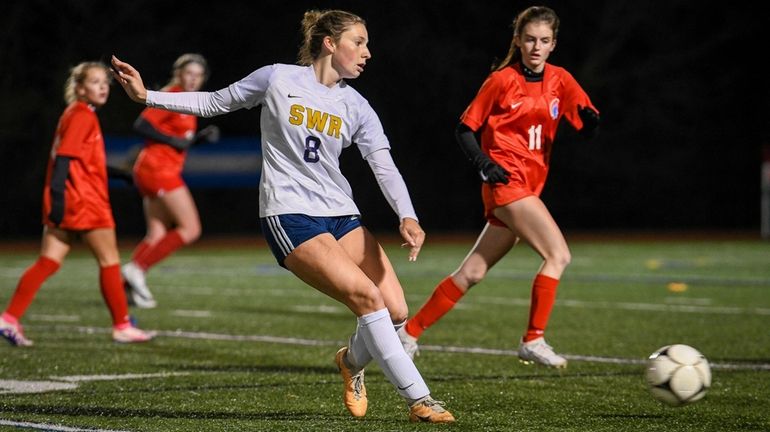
244, 345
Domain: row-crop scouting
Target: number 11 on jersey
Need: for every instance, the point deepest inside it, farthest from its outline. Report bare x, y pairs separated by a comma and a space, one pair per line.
534, 137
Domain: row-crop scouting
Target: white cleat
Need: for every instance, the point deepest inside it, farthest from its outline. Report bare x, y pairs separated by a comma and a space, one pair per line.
537, 351
409, 342
136, 287
13, 334
131, 334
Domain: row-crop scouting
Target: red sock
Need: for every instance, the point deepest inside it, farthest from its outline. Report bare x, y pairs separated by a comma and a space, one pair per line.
165, 247
541, 303
114, 295
29, 284
443, 299
140, 250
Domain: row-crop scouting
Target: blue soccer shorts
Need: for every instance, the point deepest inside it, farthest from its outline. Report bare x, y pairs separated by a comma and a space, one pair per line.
285, 232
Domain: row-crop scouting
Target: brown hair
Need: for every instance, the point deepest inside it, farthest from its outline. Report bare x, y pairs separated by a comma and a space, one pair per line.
78, 74
529, 15
316, 25
183, 61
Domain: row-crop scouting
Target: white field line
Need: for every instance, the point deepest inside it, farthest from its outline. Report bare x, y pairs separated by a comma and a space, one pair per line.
50, 427
191, 313
86, 378
17, 386
71, 382
438, 348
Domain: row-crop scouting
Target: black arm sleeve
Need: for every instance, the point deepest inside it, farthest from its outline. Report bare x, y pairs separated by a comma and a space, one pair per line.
61, 171
147, 130
489, 171
469, 145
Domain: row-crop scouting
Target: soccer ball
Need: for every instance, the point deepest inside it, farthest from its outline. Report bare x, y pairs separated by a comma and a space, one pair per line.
678, 375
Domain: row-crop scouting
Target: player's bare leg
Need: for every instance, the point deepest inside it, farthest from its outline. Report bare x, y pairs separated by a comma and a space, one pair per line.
55, 246
530, 219
172, 221
103, 245
492, 244
324, 264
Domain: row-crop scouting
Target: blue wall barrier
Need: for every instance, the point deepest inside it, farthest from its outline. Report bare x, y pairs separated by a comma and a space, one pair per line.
233, 162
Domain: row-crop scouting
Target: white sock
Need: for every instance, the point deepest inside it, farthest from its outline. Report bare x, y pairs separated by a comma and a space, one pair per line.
358, 355
384, 346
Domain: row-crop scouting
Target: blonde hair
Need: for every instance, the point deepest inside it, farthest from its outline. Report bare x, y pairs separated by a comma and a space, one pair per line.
531, 14
183, 61
78, 75
316, 25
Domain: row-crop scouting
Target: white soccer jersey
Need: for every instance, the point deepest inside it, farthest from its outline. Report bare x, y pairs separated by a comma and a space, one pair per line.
305, 126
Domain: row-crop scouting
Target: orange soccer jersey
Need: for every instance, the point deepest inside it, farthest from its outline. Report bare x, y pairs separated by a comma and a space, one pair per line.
158, 167
519, 120
86, 200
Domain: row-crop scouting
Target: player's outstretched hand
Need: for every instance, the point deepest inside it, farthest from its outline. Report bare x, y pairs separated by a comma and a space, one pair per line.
129, 78
413, 235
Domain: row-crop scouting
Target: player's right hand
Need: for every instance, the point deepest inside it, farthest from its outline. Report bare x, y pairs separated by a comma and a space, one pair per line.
129, 79
493, 173
413, 235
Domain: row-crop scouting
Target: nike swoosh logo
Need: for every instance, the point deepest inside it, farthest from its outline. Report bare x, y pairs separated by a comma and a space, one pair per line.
515, 105
294, 96
404, 388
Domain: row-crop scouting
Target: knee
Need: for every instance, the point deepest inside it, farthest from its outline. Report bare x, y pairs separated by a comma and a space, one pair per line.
190, 233
399, 314
468, 277
366, 301
561, 258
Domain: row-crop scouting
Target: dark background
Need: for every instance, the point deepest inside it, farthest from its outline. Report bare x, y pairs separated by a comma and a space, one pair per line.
683, 104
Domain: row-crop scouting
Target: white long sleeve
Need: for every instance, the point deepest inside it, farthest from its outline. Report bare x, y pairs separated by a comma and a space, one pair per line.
201, 104
246, 93
391, 183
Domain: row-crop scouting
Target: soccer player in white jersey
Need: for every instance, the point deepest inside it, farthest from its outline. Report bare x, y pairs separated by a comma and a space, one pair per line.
308, 216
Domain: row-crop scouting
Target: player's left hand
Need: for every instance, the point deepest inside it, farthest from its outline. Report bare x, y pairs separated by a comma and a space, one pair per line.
413, 235
591, 120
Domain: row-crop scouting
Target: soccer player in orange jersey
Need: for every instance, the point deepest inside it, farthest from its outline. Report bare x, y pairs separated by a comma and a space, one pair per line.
169, 209
76, 204
516, 111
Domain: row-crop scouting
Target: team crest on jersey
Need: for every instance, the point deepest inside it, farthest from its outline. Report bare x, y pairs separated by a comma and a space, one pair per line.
554, 108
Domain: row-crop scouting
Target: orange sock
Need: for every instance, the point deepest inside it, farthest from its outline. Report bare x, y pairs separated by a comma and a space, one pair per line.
165, 247
140, 250
541, 303
29, 284
114, 294
444, 297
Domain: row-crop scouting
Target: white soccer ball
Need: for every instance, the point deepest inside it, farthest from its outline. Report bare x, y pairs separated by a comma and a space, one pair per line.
678, 375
